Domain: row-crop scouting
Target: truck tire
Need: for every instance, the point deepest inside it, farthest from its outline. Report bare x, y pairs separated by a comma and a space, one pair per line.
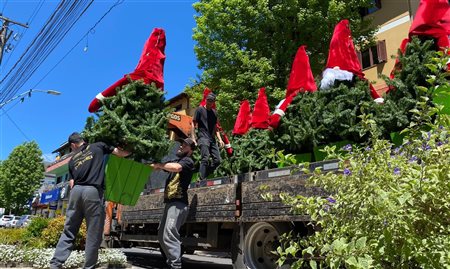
255, 247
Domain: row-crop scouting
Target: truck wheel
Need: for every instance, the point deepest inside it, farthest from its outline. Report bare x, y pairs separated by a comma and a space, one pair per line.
261, 239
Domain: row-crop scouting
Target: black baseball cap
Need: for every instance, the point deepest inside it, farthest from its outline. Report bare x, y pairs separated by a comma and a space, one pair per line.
188, 141
211, 97
74, 138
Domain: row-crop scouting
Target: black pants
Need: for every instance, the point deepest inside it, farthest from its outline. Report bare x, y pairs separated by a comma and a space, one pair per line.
208, 149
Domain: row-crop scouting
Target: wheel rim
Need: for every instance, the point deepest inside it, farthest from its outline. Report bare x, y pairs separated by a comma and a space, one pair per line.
260, 241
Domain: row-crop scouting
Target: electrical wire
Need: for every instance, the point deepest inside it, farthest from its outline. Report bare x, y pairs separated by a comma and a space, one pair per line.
3, 9
55, 29
24, 31
15, 124
79, 41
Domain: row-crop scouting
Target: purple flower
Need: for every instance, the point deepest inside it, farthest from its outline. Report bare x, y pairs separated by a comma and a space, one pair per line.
347, 172
385, 222
397, 150
396, 171
439, 143
425, 146
331, 200
347, 147
368, 148
413, 159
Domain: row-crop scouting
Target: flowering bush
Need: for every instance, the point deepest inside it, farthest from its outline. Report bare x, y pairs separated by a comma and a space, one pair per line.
389, 208
40, 258
50, 235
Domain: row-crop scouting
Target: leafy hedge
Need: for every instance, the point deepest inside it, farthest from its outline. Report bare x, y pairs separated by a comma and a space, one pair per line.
41, 233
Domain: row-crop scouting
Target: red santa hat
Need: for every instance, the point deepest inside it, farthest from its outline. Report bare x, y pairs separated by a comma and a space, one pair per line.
301, 77
150, 68
343, 61
342, 53
243, 119
432, 19
261, 111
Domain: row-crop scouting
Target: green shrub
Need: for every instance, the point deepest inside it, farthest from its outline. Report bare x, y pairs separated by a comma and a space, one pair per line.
50, 235
12, 236
35, 228
389, 206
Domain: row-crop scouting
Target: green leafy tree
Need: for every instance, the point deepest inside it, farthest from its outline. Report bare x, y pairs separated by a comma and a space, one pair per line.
21, 174
135, 119
245, 45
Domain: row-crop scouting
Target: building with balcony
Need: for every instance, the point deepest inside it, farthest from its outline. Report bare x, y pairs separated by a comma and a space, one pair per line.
53, 198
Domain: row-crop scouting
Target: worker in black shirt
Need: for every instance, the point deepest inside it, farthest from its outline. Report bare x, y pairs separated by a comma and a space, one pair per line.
205, 120
87, 174
176, 201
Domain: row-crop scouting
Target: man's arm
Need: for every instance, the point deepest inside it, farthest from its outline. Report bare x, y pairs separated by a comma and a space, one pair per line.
120, 152
71, 182
193, 126
169, 167
219, 138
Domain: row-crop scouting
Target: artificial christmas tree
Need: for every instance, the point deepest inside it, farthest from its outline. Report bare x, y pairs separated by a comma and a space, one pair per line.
135, 119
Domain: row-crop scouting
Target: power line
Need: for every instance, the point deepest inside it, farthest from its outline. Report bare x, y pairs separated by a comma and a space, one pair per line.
3, 9
15, 124
23, 33
79, 41
55, 29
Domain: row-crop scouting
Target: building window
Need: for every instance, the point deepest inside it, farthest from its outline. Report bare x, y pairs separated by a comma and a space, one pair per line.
375, 6
178, 107
373, 55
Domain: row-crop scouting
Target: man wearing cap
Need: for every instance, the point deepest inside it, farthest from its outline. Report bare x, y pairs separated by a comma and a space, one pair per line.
205, 120
87, 173
176, 201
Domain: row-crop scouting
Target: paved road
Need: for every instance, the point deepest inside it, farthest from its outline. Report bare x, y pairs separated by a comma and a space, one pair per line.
151, 259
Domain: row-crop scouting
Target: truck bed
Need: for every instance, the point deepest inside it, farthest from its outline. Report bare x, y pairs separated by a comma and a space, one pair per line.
234, 199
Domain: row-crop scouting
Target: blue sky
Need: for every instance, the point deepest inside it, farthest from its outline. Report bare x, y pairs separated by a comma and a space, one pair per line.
113, 50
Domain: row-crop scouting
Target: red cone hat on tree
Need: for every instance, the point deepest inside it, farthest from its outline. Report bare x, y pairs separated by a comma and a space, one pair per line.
342, 53
150, 68
261, 111
343, 62
301, 79
432, 19
243, 119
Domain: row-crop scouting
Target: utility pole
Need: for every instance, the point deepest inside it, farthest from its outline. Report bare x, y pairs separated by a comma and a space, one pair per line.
5, 33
